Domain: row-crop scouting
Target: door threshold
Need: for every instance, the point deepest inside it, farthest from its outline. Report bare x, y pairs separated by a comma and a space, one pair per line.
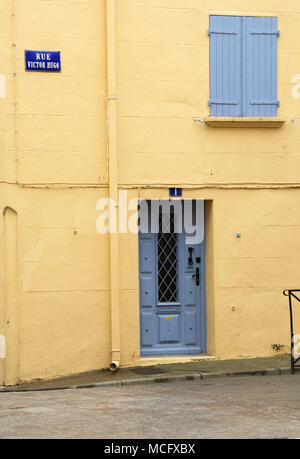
158, 359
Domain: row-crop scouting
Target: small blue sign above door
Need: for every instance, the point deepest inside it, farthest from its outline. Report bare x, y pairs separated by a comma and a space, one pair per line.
175, 192
42, 61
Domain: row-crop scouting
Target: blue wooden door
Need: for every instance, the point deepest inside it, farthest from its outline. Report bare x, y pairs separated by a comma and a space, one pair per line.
172, 287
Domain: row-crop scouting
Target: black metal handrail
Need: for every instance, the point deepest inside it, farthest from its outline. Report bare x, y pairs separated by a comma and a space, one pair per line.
291, 293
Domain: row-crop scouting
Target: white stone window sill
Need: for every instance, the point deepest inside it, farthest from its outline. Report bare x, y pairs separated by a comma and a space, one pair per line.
220, 121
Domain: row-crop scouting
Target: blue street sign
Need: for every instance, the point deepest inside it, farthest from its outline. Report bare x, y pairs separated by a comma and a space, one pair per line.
42, 61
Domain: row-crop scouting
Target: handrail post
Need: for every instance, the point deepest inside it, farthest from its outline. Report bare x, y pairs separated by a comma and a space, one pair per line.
292, 334
291, 293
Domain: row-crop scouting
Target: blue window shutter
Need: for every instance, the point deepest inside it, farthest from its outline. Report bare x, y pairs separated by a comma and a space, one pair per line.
225, 65
259, 67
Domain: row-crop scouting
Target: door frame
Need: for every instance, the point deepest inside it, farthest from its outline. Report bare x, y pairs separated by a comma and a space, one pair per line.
202, 298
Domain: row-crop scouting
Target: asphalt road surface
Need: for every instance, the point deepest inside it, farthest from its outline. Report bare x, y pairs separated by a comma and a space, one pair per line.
251, 407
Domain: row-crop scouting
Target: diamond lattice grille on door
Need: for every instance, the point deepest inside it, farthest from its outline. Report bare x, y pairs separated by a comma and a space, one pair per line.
167, 260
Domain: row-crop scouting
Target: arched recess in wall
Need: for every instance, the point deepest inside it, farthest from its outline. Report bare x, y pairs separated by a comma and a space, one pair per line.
11, 297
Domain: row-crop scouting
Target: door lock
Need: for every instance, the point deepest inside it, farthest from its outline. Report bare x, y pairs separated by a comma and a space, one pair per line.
191, 250
197, 276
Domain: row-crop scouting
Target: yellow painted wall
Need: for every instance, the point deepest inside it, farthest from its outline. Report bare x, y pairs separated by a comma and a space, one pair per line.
53, 170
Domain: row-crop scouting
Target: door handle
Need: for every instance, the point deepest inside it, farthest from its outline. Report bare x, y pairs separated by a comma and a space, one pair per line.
197, 276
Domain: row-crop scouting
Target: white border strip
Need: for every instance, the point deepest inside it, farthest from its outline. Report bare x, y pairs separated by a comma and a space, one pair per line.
2, 347
2, 86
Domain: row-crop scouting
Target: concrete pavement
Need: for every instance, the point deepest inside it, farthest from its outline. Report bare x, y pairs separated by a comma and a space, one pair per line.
241, 407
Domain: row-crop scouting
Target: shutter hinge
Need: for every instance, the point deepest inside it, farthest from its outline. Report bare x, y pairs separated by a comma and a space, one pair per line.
265, 32
222, 102
222, 32
265, 102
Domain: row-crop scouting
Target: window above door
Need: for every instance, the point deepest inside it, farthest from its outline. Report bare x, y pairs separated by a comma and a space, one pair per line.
243, 67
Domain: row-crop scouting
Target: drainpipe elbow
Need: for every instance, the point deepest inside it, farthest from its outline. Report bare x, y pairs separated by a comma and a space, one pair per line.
114, 366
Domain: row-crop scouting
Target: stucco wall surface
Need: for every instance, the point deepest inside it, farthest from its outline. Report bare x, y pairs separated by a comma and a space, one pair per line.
55, 275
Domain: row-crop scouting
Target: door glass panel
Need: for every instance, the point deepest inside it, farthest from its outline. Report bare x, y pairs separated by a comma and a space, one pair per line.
167, 259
